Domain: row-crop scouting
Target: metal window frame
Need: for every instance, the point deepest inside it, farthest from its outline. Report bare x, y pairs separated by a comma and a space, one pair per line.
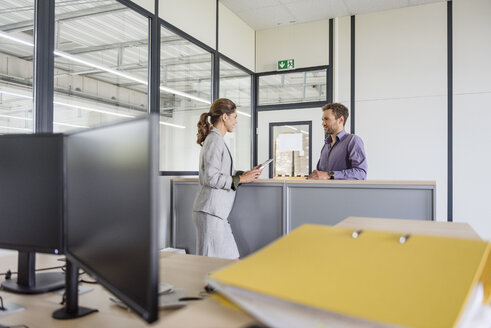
296, 105
271, 127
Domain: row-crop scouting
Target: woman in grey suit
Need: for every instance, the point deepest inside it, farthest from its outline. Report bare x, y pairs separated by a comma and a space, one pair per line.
217, 182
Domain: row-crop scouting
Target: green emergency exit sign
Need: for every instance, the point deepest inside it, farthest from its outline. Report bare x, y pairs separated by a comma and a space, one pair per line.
286, 64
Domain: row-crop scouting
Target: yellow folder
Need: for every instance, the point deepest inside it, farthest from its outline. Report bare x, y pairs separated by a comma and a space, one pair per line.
419, 281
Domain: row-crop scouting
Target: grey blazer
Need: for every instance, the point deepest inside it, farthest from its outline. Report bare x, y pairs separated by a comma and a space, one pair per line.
215, 195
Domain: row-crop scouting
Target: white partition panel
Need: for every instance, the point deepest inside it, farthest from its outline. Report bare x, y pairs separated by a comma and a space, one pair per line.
342, 64
236, 39
147, 4
401, 95
293, 115
195, 17
342, 60
307, 44
472, 113
405, 139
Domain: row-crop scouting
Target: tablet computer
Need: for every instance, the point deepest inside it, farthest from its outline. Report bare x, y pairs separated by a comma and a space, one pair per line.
263, 165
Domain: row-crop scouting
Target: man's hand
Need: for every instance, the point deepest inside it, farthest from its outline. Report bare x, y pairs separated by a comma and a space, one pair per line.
319, 175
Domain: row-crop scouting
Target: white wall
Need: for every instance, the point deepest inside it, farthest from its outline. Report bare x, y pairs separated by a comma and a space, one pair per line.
342, 64
147, 4
472, 113
307, 43
400, 87
236, 39
291, 115
195, 17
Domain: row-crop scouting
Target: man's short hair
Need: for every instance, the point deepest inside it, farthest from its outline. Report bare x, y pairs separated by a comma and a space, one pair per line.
338, 110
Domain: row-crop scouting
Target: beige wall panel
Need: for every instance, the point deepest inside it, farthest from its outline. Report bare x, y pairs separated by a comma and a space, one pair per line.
147, 4
401, 106
342, 59
195, 17
472, 113
236, 39
401, 53
307, 43
405, 139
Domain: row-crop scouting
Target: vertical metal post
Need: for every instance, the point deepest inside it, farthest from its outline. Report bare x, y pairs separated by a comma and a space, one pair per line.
330, 71
254, 100
352, 94
43, 78
449, 113
154, 64
216, 62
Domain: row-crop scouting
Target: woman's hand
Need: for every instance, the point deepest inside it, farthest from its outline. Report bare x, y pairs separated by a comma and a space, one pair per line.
251, 175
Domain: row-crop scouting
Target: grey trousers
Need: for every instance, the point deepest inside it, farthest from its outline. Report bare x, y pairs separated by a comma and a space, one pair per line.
214, 236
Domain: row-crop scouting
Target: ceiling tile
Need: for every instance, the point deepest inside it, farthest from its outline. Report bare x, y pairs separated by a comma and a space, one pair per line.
262, 14
310, 10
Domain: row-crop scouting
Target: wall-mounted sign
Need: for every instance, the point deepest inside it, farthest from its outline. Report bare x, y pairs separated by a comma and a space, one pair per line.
286, 64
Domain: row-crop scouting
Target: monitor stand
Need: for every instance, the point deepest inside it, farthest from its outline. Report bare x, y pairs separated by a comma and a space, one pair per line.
71, 309
28, 282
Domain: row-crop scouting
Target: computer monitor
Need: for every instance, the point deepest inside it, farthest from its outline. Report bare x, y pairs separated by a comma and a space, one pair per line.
31, 206
112, 212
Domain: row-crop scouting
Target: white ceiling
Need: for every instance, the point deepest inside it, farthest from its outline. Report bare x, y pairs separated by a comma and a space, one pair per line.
263, 14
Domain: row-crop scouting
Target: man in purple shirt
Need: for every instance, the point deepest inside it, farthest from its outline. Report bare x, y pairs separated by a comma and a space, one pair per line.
343, 156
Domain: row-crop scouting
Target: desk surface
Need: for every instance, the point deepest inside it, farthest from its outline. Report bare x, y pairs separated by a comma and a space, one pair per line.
184, 271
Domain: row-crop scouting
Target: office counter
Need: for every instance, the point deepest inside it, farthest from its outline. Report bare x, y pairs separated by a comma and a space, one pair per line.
267, 209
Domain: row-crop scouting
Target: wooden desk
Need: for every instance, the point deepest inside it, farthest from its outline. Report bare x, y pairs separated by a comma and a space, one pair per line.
182, 271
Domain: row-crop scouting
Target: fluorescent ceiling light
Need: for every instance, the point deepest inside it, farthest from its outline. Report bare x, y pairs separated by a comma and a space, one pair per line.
242, 113
106, 69
90, 109
291, 127
16, 117
12, 128
56, 123
13, 38
15, 94
72, 125
173, 125
78, 107
304, 132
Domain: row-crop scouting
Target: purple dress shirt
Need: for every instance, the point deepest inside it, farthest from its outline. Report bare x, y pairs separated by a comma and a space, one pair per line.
346, 157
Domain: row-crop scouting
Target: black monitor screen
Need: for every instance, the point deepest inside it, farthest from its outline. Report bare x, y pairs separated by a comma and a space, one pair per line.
31, 192
111, 209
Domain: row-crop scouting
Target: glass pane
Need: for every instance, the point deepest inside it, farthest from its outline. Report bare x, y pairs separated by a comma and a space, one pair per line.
296, 87
185, 93
235, 85
291, 150
16, 70
101, 64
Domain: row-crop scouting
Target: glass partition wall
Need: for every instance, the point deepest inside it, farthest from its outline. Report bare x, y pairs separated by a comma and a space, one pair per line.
101, 75
293, 87
16, 69
101, 64
235, 84
185, 93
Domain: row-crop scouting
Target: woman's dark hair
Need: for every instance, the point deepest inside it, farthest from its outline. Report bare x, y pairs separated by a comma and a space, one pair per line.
218, 108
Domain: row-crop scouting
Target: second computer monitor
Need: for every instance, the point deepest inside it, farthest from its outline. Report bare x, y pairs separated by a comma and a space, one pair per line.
112, 208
